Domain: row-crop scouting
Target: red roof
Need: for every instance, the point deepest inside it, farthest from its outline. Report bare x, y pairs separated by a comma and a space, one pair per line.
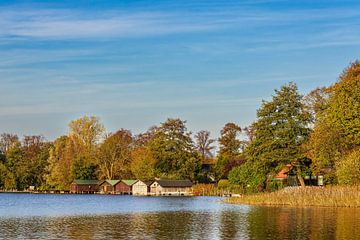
283, 173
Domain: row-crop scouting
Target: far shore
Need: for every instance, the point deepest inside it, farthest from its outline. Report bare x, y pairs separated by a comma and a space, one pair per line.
330, 196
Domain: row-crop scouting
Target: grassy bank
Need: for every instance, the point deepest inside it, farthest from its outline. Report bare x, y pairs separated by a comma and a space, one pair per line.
331, 196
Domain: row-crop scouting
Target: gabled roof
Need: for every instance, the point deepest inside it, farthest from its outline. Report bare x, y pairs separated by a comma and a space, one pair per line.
86, 182
174, 183
111, 182
129, 182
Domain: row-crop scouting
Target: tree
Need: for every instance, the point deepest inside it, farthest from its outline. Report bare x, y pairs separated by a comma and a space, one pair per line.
281, 128
86, 132
316, 102
81, 169
7, 141
115, 155
348, 168
230, 150
143, 164
230, 145
337, 127
174, 151
343, 111
204, 144
61, 156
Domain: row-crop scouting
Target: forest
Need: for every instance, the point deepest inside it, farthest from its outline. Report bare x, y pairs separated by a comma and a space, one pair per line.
317, 133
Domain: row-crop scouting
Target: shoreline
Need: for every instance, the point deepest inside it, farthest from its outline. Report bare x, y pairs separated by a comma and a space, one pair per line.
331, 196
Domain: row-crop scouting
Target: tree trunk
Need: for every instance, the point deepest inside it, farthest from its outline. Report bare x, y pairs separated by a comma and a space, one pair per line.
301, 180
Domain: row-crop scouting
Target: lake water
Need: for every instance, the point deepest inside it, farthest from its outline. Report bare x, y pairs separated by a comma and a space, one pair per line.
41, 216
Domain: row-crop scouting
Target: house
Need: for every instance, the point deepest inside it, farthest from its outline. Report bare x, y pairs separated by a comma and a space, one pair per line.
84, 186
108, 186
124, 187
141, 187
286, 177
171, 187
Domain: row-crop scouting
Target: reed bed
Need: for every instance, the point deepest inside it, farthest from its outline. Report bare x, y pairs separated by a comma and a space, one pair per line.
330, 196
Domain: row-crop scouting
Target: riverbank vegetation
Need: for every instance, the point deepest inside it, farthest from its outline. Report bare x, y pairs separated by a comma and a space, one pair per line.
329, 196
316, 134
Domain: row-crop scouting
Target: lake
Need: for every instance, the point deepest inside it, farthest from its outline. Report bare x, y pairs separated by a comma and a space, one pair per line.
50, 216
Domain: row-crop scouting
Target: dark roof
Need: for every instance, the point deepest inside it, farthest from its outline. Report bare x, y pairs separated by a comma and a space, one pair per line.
174, 183
86, 182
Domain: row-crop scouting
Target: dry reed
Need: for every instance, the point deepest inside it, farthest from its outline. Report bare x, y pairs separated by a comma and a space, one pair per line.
330, 196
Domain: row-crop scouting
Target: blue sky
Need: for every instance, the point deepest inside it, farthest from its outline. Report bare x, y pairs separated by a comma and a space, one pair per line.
136, 63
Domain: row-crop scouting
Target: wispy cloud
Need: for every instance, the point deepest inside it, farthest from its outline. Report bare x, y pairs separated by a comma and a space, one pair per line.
76, 24
69, 24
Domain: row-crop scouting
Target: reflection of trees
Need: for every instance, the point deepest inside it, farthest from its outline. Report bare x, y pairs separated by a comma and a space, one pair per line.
303, 223
230, 224
348, 223
258, 223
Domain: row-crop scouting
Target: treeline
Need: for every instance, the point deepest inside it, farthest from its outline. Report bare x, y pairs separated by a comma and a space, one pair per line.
318, 134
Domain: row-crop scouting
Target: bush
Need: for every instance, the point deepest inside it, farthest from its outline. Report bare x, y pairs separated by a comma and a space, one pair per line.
248, 176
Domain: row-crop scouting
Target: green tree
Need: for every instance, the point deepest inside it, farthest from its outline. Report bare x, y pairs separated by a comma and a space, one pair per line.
348, 168
337, 127
174, 151
343, 111
230, 150
281, 128
115, 155
58, 171
143, 164
81, 169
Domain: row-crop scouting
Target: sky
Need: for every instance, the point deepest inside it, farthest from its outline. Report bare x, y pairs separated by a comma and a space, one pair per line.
135, 63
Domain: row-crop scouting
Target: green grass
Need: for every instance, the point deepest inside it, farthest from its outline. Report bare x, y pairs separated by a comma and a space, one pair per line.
330, 196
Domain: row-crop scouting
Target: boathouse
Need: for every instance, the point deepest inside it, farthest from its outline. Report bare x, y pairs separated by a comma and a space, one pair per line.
171, 187
108, 186
84, 186
141, 187
124, 187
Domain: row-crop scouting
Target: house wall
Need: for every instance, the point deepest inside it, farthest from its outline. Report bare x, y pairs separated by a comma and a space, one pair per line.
106, 188
91, 188
140, 188
156, 189
122, 188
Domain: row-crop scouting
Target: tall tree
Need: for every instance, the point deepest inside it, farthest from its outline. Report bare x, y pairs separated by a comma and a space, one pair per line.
86, 132
61, 157
204, 144
282, 126
174, 151
230, 149
143, 164
7, 140
230, 145
115, 155
337, 128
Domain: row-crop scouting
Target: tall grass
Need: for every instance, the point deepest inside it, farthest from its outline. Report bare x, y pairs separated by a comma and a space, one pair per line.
330, 196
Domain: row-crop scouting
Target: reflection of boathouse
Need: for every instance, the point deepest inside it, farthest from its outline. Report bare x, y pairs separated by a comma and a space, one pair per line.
171, 187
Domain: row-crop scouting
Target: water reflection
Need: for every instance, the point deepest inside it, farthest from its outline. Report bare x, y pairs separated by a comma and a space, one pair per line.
196, 218
303, 223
